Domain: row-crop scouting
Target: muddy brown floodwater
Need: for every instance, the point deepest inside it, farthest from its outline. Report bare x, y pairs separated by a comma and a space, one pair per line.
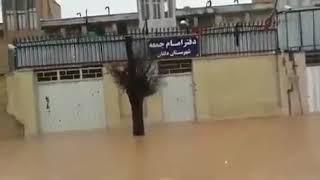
267, 149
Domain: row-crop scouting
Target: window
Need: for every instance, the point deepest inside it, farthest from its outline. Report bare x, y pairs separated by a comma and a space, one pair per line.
166, 8
170, 6
31, 4
91, 73
313, 58
147, 8
8, 4
10, 20
142, 6
145, 11
47, 76
20, 14
9, 14
21, 5
156, 9
70, 74
174, 67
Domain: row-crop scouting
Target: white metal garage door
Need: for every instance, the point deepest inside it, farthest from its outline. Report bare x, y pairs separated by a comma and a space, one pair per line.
71, 105
178, 102
313, 76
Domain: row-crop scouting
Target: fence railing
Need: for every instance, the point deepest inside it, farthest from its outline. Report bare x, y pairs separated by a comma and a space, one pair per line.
239, 39
299, 29
55, 51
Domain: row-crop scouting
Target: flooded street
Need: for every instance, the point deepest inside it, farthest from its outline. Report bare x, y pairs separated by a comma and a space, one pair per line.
267, 149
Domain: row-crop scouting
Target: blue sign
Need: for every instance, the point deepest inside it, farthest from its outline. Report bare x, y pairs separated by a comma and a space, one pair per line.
170, 47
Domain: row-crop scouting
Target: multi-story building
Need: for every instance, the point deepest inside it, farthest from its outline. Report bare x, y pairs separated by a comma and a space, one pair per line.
23, 18
162, 14
123, 23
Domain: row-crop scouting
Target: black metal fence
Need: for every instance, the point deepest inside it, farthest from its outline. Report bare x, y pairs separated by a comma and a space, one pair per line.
239, 39
56, 51
299, 29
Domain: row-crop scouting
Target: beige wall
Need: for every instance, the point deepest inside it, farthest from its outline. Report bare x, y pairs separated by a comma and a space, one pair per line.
227, 88
56, 10
3, 57
22, 103
237, 87
301, 82
111, 96
296, 82
22, 100
49, 9
3, 93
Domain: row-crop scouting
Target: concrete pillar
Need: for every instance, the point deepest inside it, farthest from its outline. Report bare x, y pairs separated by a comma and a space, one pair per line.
63, 32
218, 19
195, 21
84, 29
111, 95
114, 27
247, 17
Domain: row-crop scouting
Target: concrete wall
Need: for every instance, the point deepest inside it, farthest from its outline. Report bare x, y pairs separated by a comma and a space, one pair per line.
228, 88
3, 57
237, 87
22, 100
295, 82
49, 9
23, 103
111, 96
9, 127
3, 93
56, 10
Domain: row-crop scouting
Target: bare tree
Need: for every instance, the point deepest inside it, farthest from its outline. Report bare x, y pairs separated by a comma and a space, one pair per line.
138, 78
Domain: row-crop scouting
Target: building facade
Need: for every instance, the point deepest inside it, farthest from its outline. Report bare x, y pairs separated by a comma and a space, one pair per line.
157, 13
231, 69
22, 16
124, 23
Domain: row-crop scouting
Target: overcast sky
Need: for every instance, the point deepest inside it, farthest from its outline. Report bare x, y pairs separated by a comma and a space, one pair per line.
96, 7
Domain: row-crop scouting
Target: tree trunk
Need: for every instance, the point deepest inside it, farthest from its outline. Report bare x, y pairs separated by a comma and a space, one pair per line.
136, 101
137, 116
